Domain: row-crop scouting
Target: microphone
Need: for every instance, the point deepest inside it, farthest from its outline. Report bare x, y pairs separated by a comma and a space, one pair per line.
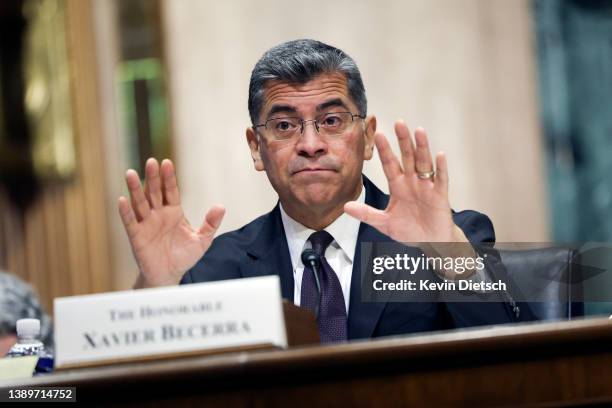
309, 257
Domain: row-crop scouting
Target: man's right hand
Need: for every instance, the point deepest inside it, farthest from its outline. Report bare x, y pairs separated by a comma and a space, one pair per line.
164, 244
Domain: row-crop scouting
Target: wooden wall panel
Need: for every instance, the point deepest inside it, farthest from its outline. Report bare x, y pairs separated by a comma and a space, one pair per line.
90, 146
60, 245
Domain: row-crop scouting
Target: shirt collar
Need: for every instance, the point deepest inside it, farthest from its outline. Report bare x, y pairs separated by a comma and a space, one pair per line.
344, 229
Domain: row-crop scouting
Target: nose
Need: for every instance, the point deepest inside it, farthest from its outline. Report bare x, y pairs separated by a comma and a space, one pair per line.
311, 143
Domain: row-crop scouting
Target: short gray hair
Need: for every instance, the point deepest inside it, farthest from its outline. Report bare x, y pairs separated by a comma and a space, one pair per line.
298, 62
19, 301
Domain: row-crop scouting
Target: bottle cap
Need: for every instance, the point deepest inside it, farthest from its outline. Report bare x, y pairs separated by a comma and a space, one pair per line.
28, 327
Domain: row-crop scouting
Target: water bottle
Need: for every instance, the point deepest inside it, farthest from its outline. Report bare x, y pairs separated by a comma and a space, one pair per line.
29, 344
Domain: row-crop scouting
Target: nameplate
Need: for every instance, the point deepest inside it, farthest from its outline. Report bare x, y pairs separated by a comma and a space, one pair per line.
177, 320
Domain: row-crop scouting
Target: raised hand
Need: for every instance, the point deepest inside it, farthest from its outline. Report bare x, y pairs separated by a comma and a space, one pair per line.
418, 210
164, 244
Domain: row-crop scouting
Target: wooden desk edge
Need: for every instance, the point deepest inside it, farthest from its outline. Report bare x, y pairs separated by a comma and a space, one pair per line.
489, 340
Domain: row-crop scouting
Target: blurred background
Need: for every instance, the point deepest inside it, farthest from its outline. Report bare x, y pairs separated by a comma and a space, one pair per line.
518, 93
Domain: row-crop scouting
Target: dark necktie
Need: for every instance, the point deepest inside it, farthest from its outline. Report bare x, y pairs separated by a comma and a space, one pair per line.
332, 310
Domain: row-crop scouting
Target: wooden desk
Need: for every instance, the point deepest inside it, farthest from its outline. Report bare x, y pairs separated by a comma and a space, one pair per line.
535, 364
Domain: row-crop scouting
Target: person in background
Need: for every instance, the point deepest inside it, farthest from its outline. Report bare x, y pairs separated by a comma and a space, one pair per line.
19, 301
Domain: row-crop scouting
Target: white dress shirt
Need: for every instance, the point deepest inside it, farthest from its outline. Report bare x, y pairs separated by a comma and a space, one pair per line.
339, 254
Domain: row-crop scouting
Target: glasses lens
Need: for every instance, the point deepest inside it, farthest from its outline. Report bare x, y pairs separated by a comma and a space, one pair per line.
334, 123
283, 128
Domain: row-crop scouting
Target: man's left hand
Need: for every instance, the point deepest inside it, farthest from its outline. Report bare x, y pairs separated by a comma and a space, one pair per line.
419, 210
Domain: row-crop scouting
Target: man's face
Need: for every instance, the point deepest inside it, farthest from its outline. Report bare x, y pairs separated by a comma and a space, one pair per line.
312, 172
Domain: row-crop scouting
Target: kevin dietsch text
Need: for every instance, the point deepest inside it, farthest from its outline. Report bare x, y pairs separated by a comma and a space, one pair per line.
447, 285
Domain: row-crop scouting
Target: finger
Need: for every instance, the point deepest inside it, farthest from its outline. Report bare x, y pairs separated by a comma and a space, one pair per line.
153, 183
406, 147
441, 183
391, 165
140, 205
365, 213
423, 162
170, 186
211, 223
128, 218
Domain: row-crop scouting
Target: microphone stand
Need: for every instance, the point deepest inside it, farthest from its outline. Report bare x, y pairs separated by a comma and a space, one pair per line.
309, 257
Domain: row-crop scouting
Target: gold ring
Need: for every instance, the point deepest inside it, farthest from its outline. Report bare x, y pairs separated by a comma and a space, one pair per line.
424, 175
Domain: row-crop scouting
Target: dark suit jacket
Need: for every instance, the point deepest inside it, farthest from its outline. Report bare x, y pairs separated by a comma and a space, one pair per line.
260, 248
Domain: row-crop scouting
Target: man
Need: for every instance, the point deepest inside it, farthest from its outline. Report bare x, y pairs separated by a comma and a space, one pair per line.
311, 133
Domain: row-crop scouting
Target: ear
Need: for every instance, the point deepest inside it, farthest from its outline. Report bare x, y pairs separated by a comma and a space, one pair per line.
370, 129
254, 146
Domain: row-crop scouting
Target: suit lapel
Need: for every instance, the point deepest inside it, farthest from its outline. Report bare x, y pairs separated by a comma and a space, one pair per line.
363, 316
269, 254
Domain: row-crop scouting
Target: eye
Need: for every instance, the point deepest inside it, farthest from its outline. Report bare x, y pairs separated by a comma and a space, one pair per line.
284, 125
332, 121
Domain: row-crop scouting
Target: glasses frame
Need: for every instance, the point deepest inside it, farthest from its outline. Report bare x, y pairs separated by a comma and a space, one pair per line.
304, 122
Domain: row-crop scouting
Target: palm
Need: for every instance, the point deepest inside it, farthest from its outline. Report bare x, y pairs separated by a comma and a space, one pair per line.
424, 212
418, 209
164, 244
167, 245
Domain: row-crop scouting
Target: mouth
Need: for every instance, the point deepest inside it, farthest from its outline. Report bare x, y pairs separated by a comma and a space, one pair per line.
313, 171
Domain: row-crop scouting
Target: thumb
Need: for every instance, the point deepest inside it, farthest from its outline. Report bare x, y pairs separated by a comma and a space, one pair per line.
212, 221
365, 213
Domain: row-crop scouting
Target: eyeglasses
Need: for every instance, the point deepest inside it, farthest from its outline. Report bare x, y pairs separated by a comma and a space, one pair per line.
329, 124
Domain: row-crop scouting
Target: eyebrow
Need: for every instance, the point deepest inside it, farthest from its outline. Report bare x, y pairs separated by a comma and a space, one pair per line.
291, 109
331, 103
281, 108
